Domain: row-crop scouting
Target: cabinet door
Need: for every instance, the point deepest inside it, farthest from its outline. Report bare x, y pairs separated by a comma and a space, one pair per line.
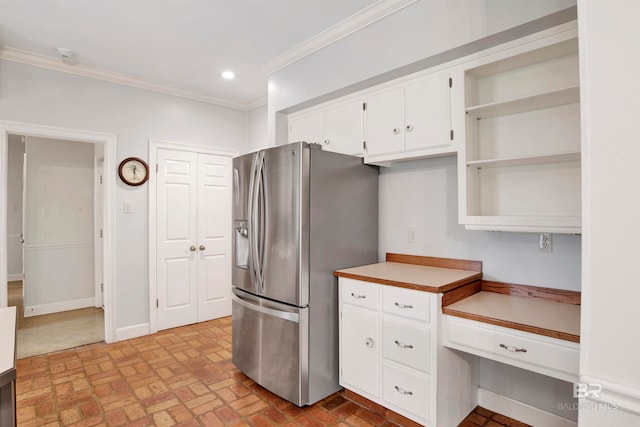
342, 129
427, 122
306, 128
360, 350
385, 122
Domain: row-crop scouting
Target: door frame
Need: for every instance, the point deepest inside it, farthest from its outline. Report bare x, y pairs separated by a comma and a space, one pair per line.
109, 142
154, 146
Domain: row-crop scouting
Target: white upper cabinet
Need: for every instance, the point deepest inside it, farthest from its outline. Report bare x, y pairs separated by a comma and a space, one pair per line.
306, 128
519, 165
409, 120
338, 127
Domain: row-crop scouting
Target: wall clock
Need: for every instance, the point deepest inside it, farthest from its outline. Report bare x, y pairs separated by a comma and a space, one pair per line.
133, 171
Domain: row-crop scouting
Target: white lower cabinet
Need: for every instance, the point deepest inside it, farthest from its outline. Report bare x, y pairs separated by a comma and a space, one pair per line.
390, 353
360, 342
406, 390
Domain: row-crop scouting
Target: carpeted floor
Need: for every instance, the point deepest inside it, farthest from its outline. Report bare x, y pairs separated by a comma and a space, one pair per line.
54, 332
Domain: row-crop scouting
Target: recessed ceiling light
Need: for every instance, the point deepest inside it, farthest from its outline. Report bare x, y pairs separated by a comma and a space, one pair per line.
228, 75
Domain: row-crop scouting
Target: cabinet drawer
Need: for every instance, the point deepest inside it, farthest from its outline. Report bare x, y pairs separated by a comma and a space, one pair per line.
407, 303
538, 353
407, 390
406, 343
359, 293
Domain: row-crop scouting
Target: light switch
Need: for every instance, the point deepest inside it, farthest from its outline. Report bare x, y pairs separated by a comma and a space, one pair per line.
127, 207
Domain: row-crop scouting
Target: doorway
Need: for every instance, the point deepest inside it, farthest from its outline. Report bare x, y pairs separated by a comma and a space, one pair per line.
102, 152
51, 202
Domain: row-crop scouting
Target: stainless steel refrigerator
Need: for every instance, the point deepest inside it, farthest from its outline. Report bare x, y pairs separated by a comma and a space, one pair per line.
299, 213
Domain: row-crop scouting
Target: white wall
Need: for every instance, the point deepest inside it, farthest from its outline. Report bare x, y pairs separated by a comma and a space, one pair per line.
610, 90
257, 128
15, 161
58, 228
422, 194
36, 95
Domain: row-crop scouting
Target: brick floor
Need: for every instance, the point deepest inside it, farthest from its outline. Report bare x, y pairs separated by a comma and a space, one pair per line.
179, 377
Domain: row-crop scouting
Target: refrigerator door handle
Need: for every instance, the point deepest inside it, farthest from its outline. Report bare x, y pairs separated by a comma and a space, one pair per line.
250, 221
285, 315
263, 221
258, 225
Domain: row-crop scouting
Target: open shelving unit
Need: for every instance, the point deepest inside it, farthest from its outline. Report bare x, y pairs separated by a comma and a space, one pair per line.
520, 163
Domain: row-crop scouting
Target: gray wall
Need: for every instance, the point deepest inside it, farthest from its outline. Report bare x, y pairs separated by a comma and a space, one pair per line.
257, 128
40, 96
15, 162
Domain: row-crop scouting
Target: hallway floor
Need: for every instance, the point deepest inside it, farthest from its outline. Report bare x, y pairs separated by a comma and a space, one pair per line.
182, 376
54, 332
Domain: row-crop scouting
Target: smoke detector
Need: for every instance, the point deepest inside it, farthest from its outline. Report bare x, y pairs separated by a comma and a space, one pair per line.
64, 53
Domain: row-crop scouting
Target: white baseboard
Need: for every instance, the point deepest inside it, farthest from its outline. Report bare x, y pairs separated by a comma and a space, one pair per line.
56, 307
520, 411
134, 331
14, 277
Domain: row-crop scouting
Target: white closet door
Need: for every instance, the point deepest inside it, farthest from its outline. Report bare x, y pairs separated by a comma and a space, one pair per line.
214, 224
177, 238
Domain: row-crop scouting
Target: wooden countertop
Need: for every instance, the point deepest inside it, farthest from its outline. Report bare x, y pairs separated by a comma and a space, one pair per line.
7, 340
419, 273
542, 315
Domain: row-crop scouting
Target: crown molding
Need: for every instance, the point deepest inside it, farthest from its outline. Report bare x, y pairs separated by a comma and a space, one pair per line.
56, 64
257, 103
359, 20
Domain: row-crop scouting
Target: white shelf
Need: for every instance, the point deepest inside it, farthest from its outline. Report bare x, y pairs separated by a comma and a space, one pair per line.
554, 98
526, 160
525, 224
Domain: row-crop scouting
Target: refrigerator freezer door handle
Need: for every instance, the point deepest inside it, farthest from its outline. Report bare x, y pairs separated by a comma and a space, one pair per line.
285, 315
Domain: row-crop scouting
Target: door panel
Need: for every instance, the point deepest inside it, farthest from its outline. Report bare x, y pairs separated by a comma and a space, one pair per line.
282, 176
266, 344
241, 278
427, 113
176, 234
214, 225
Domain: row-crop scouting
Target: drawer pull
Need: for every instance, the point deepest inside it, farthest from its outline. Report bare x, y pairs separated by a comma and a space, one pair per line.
400, 305
513, 349
403, 345
403, 391
368, 342
358, 296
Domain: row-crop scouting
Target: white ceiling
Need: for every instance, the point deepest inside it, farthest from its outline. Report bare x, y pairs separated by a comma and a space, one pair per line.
181, 44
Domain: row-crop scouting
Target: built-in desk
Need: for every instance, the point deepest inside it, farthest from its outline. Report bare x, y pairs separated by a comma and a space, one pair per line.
7, 367
537, 329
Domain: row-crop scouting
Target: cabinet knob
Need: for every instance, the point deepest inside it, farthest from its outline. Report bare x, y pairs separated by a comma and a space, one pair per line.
202, 248
192, 248
326, 142
409, 128
368, 342
396, 131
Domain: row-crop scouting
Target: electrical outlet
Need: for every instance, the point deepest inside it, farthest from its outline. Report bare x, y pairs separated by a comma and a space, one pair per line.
412, 235
546, 243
